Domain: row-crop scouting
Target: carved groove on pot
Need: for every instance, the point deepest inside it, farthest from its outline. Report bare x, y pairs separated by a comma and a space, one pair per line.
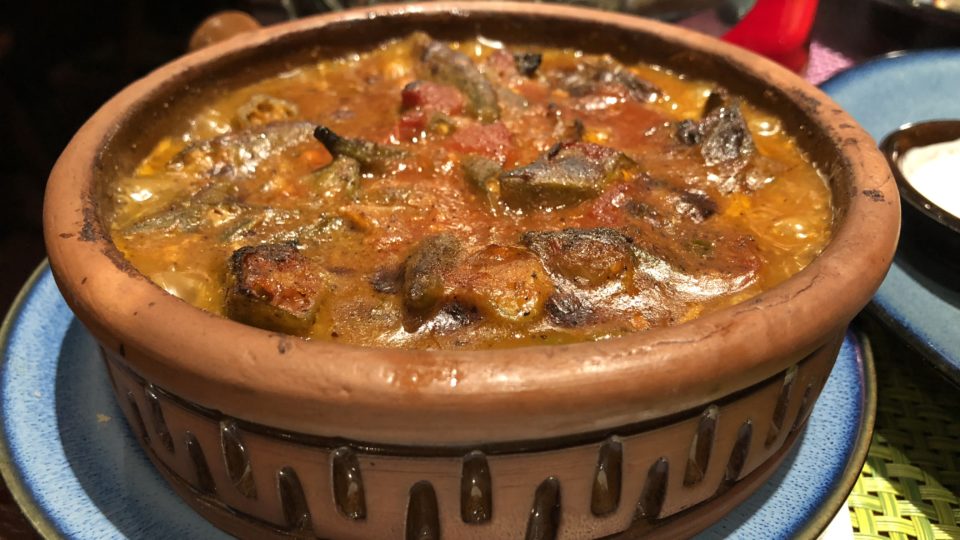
296, 513
137, 419
654, 491
701, 447
423, 515
806, 405
201, 470
780, 412
544, 520
608, 478
348, 492
476, 490
738, 456
236, 459
159, 424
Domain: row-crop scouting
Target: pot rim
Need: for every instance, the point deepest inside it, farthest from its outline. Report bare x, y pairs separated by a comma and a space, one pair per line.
460, 397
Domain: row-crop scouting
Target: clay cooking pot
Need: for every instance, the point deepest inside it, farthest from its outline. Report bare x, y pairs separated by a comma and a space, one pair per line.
657, 432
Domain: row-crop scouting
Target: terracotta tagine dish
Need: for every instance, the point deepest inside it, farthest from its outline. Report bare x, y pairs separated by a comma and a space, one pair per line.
656, 432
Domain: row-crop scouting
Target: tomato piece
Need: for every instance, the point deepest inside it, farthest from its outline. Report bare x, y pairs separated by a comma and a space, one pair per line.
490, 140
432, 96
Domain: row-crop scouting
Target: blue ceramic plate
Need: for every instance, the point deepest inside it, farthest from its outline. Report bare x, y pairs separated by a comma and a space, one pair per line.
76, 470
882, 95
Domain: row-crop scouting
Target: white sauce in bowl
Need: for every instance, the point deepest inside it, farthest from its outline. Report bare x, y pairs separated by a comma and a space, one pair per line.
934, 171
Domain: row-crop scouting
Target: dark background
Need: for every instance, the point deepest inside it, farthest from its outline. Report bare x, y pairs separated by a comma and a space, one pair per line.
59, 62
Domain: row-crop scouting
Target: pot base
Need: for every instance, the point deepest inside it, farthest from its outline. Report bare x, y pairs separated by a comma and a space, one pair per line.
673, 476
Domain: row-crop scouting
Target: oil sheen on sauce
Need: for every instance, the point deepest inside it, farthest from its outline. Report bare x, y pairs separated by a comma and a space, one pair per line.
472, 195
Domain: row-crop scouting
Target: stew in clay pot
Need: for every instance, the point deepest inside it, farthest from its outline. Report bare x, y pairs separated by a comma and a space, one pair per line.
427, 194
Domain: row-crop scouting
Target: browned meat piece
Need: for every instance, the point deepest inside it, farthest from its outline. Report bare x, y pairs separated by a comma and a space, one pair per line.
502, 282
447, 66
584, 257
423, 277
696, 205
387, 279
695, 265
567, 310
527, 63
273, 286
568, 174
263, 109
688, 132
591, 77
723, 135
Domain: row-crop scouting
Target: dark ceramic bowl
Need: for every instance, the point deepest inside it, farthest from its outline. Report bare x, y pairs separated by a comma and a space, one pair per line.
659, 432
931, 235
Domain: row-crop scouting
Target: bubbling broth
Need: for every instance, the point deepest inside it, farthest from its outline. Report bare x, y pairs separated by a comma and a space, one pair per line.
429, 194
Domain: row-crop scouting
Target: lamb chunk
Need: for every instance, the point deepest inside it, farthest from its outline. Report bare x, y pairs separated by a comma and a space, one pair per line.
387, 280
447, 66
262, 109
566, 310
725, 135
371, 156
722, 134
584, 257
423, 277
589, 78
452, 317
431, 96
568, 174
695, 263
527, 63
272, 286
696, 205
502, 282
688, 132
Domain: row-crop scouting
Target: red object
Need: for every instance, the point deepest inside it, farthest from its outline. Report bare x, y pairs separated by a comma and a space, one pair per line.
778, 29
491, 140
433, 97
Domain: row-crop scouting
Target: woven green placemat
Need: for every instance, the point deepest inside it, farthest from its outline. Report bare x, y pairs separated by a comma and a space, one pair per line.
910, 485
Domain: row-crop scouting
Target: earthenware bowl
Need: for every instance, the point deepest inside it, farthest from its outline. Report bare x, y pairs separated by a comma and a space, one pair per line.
930, 233
658, 432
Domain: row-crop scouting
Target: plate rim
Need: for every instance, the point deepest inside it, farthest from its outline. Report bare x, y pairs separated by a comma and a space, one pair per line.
944, 364
37, 517
837, 499
899, 55
820, 519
